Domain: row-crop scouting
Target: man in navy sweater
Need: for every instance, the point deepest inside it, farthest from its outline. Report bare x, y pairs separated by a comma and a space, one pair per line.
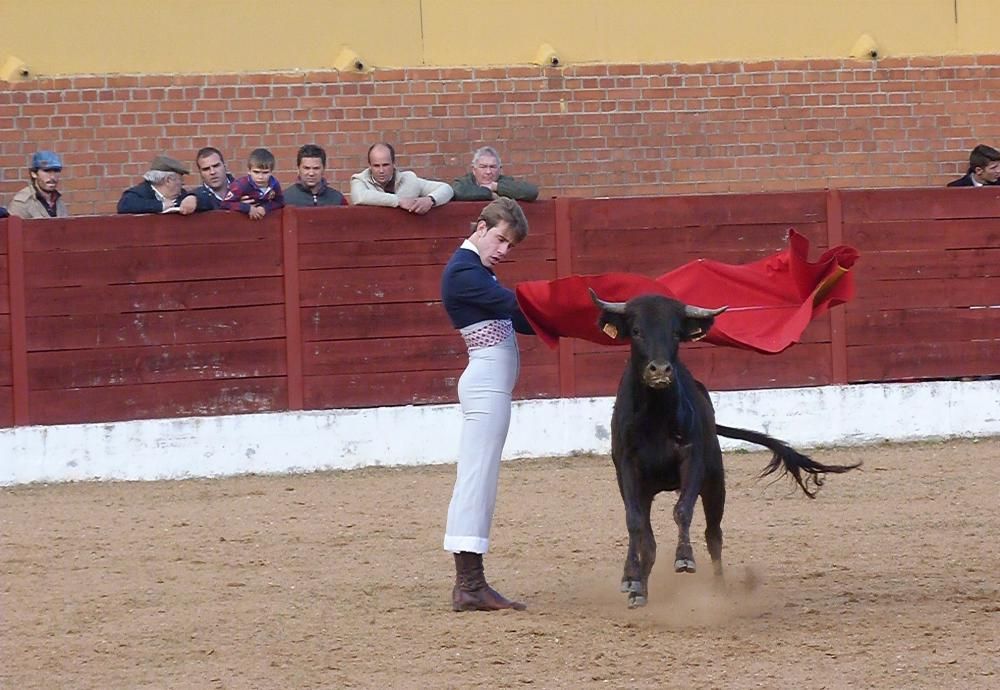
486, 314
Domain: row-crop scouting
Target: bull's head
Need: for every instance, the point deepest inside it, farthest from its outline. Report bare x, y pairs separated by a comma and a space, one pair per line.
656, 326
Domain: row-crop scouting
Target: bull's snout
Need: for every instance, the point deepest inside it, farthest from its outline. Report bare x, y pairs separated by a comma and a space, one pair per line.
658, 374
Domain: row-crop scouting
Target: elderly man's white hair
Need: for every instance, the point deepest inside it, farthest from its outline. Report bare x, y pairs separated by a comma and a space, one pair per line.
156, 177
486, 151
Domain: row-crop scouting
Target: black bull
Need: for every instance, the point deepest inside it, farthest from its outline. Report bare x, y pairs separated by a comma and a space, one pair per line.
664, 436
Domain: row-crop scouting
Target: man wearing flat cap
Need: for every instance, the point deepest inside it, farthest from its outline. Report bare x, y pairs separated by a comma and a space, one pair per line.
41, 198
161, 191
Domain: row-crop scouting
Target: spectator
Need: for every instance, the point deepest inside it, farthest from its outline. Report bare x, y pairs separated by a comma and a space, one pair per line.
381, 184
257, 193
485, 182
215, 178
311, 188
41, 198
3, 212
984, 168
161, 190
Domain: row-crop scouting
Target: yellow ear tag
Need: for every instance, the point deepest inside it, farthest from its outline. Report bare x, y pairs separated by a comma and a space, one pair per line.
610, 330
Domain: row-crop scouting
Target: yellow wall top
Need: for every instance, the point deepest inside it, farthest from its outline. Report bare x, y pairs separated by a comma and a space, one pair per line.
61, 37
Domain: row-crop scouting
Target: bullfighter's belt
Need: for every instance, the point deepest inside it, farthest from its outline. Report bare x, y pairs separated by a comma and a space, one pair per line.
487, 333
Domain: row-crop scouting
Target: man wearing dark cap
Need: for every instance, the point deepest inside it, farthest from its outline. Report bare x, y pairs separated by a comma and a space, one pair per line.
41, 198
161, 191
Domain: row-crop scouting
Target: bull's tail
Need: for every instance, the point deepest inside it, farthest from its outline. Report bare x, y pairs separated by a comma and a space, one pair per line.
806, 472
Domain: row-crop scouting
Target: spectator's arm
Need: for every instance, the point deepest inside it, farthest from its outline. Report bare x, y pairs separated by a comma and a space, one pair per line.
521, 190
466, 189
440, 192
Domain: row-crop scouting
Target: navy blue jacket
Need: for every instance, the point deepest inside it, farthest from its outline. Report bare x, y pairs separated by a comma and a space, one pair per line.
207, 200
471, 293
142, 199
966, 181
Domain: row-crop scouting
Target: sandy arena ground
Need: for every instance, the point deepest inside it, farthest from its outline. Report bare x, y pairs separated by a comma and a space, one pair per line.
890, 579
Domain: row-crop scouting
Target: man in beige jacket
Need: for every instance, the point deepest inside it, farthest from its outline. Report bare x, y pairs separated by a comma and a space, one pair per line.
41, 198
381, 184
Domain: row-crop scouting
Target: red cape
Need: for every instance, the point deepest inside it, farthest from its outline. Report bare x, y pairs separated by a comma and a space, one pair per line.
770, 301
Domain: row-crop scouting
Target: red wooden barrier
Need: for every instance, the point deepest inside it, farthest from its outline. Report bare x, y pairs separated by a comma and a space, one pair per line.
109, 318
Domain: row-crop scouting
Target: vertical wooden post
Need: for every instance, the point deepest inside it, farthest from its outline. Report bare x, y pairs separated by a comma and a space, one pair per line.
838, 320
18, 321
293, 320
564, 267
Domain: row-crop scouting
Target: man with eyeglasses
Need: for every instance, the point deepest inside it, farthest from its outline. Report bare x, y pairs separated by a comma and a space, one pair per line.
41, 198
486, 182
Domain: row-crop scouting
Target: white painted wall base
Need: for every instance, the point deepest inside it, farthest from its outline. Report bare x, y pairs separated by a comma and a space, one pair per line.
416, 435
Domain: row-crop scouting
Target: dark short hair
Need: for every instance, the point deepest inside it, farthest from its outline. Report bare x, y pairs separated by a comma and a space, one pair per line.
504, 209
982, 156
262, 158
208, 151
392, 151
310, 151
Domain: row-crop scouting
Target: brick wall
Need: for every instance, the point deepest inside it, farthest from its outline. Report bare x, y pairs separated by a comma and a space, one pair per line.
589, 130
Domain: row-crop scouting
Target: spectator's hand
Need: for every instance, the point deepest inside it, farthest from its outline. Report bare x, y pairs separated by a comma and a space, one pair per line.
492, 186
422, 205
406, 203
169, 204
188, 205
257, 212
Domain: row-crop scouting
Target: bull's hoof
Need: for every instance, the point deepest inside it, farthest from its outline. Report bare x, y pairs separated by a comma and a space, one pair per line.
684, 565
636, 601
631, 586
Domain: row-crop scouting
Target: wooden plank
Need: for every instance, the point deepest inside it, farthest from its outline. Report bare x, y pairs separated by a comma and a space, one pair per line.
151, 297
919, 204
838, 328
155, 328
924, 234
292, 305
6, 407
4, 280
154, 264
904, 326
359, 321
152, 364
720, 209
940, 264
452, 221
6, 373
421, 353
413, 387
922, 361
387, 285
156, 400
102, 233
918, 293
18, 321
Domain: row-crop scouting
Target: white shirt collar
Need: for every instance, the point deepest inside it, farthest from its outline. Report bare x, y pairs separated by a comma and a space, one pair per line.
466, 244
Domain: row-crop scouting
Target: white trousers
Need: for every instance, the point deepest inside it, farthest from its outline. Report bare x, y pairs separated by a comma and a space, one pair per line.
484, 391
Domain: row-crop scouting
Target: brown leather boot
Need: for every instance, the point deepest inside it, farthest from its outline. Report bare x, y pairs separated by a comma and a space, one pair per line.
471, 593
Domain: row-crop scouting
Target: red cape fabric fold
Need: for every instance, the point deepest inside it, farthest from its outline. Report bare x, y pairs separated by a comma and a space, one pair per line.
771, 301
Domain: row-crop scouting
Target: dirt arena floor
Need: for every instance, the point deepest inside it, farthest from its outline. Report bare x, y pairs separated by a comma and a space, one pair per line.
890, 579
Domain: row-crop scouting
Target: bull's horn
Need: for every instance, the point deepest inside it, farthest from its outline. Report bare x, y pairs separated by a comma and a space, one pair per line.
613, 307
701, 312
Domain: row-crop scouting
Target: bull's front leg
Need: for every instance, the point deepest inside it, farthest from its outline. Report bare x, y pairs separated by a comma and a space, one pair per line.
641, 545
692, 472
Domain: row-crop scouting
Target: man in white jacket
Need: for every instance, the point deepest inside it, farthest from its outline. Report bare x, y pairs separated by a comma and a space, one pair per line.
381, 184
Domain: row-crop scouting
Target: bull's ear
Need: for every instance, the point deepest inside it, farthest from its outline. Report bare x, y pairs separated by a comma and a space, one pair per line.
613, 325
696, 328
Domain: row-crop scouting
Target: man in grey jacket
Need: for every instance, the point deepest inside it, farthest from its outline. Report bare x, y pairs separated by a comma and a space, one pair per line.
381, 184
486, 183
